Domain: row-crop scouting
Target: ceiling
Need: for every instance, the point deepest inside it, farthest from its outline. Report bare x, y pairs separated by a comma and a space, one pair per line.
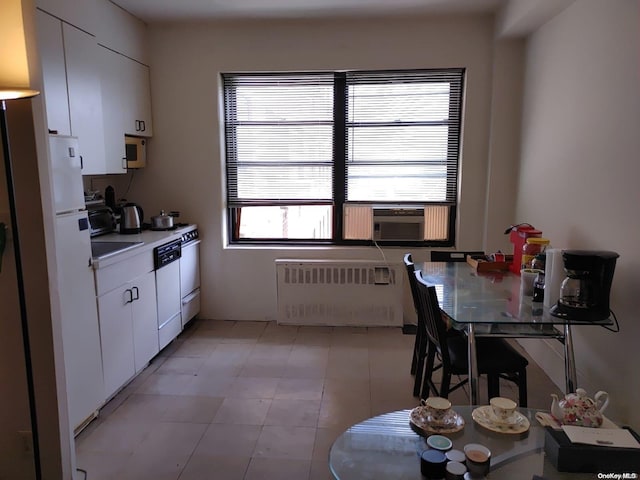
152, 11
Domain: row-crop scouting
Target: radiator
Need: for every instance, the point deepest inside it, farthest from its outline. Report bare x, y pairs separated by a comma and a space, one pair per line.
337, 293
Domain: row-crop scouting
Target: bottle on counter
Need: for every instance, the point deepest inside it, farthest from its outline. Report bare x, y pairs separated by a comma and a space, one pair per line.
538, 263
538, 287
532, 247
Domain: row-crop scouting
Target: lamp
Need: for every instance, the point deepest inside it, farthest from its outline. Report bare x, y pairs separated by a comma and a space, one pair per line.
14, 64
14, 84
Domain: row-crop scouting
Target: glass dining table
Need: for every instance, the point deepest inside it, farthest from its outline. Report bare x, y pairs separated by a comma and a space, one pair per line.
386, 446
492, 304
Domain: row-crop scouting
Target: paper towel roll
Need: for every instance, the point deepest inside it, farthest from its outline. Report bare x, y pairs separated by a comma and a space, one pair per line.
554, 275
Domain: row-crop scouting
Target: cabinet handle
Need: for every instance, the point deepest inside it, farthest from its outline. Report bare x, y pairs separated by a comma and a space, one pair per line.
130, 295
144, 125
124, 163
137, 297
81, 163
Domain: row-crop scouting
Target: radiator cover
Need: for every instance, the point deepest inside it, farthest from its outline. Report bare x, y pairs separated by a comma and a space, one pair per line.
339, 292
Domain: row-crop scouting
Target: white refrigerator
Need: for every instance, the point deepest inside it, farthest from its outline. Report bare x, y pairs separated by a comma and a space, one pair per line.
80, 328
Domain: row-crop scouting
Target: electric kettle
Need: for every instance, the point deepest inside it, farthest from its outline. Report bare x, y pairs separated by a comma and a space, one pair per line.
131, 216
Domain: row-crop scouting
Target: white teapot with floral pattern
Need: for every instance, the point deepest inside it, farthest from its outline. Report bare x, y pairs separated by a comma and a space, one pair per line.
578, 409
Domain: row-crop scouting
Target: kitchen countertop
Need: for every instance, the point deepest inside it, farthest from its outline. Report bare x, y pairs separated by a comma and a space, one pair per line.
149, 240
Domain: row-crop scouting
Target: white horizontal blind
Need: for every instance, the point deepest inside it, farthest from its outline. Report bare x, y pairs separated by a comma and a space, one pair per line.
279, 133
402, 135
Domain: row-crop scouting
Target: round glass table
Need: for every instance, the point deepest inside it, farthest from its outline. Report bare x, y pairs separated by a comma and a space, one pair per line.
386, 446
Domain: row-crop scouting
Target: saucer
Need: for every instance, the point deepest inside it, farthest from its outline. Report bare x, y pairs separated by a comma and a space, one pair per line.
422, 422
484, 416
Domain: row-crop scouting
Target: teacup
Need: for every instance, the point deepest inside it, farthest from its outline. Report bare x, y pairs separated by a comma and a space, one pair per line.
437, 408
503, 409
478, 459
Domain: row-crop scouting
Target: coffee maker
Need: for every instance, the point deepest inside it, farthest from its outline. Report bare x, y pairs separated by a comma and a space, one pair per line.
584, 293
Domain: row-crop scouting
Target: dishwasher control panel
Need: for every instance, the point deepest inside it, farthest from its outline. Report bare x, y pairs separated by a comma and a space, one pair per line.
167, 253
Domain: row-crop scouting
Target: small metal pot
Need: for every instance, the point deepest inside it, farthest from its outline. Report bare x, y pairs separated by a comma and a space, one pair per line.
162, 221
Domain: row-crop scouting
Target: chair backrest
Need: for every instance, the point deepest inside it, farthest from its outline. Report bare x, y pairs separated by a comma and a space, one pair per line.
411, 268
429, 312
452, 256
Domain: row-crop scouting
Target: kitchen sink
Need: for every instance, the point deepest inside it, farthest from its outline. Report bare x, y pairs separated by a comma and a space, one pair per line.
104, 249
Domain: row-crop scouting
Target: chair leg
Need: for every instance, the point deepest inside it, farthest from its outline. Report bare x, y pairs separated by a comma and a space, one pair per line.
427, 383
416, 346
446, 383
493, 385
522, 387
420, 354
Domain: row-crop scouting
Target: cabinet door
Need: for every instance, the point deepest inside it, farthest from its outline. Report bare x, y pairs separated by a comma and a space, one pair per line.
145, 320
85, 100
116, 338
190, 269
141, 101
80, 13
114, 109
54, 73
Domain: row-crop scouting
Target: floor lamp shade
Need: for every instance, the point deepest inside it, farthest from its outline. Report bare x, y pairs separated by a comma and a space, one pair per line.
14, 64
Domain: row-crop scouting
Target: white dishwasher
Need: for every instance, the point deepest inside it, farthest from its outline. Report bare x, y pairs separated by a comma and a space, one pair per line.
190, 276
168, 291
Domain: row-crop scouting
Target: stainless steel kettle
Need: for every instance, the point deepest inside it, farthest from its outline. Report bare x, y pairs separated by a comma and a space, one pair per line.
131, 216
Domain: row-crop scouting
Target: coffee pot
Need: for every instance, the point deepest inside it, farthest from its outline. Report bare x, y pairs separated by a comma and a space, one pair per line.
584, 293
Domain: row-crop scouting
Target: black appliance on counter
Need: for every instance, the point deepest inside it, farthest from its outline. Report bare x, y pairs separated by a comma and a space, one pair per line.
584, 294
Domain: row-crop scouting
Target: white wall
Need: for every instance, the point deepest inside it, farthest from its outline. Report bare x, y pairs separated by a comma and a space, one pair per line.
579, 174
185, 170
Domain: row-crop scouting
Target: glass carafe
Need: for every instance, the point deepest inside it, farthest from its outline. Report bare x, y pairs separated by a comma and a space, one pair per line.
575, 291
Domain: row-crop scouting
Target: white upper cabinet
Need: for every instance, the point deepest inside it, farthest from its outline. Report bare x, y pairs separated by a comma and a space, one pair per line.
54, 72
85, 97
140, 122
126, 104
120, 31
112, 113
81, 13
69, 58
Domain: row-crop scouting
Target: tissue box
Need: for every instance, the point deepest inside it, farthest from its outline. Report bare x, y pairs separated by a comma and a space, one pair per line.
571, 457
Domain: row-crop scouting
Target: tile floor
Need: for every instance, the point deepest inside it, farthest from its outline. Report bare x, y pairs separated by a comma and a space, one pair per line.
254, 400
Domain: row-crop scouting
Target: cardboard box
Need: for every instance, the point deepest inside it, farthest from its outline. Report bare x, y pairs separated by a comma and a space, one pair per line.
573, 457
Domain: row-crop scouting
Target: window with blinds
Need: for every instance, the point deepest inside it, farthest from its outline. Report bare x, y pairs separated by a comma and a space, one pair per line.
303, 150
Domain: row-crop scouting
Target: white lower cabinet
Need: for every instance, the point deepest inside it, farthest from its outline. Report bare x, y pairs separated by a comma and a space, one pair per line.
128, 329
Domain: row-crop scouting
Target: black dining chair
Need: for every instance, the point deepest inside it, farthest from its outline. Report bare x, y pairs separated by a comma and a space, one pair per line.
410, 266
495, 357
451, 256
421, 342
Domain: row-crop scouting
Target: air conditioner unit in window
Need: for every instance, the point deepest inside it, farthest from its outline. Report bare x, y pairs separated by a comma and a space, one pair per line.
398, 223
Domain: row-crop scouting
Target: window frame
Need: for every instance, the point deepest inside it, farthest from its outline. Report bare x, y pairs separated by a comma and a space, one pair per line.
340, 171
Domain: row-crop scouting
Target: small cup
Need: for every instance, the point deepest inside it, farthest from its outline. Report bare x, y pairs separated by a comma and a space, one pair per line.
527, 277
478, 459
455, 471
503, 409
455, 456
433, 463
437, 408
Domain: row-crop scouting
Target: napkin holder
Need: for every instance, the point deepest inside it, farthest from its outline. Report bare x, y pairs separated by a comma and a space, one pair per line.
574, 457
